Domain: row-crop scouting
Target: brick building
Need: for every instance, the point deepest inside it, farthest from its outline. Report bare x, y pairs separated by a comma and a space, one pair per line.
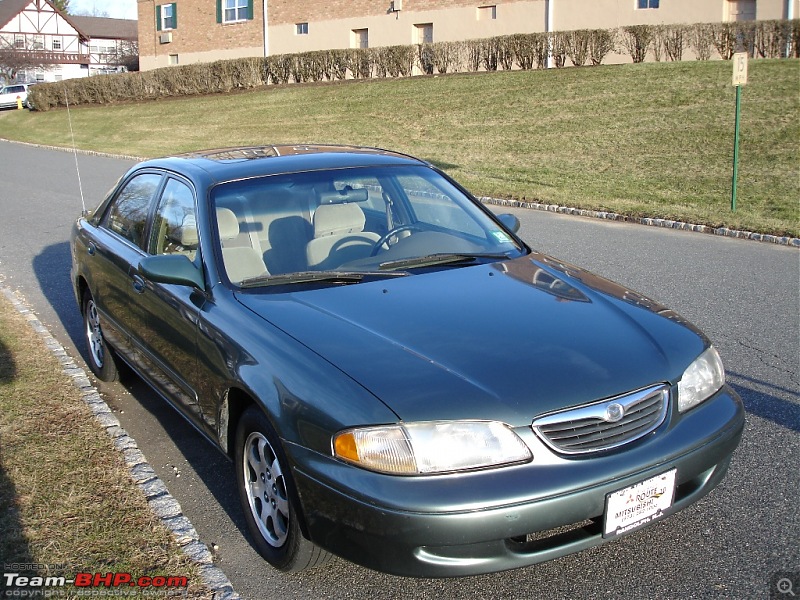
188, 31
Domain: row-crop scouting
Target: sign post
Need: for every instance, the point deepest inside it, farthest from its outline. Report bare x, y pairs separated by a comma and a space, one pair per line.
739, 79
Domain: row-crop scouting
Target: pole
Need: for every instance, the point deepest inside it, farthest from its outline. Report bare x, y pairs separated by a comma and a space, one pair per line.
736, 147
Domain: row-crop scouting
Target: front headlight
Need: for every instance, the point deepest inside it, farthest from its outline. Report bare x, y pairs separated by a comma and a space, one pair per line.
704, 377
431, 447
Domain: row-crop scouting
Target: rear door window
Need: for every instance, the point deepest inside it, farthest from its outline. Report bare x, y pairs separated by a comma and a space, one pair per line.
127, 215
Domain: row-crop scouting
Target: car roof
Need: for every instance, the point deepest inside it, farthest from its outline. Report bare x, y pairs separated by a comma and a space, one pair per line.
227, 164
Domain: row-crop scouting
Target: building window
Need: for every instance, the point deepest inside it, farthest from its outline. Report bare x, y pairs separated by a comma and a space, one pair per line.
487, 13
301, 29
173, 59
38, 43
166, 17
740, 10
231, 11
19, 42
360, 38
56, 43
423, 33
647, 3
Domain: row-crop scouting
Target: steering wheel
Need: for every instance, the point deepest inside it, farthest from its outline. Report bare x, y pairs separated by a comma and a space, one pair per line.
392, 232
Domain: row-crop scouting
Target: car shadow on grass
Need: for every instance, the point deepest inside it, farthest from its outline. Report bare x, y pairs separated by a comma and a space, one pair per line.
14, 550
15, 556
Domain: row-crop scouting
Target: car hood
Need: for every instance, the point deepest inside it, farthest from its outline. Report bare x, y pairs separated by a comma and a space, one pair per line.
504, 341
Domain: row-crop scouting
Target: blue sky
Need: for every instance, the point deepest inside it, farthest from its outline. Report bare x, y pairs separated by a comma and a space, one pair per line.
117, 9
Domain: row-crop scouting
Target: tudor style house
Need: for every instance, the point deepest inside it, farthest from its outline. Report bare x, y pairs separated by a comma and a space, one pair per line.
189, 31
40, 43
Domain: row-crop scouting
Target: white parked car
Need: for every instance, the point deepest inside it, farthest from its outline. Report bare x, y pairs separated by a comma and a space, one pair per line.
10, 93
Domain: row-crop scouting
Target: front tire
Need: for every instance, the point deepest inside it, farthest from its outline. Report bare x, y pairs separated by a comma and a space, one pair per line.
102, 361
268, 497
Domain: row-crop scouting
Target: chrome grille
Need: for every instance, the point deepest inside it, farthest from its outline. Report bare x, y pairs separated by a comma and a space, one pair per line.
606, 424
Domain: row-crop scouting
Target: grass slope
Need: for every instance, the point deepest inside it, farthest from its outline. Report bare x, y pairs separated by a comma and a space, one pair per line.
643, 140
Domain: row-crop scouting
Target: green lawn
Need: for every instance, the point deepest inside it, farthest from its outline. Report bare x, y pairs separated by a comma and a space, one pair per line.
650, 139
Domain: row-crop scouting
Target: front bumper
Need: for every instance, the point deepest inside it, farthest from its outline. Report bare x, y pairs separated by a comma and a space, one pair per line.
480, 522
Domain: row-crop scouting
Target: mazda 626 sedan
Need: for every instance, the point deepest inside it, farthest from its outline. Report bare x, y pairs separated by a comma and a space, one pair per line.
397, 377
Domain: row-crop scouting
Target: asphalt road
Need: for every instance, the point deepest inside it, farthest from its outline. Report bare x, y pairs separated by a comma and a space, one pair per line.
744, 295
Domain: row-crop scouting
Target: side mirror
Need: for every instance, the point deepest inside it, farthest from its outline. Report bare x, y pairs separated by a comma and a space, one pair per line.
172, 268
509, 221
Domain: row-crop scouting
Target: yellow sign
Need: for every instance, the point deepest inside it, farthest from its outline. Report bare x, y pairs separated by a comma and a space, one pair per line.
740, 68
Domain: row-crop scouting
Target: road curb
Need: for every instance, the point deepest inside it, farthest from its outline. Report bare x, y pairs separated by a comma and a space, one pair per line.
161, 502
652, 222
75, 150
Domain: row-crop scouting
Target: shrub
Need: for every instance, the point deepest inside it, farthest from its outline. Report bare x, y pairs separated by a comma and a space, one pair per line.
558, 48
766, 39
447, 56
398, 61
771, 39
724, 38
796, 37
673, 40
701, 40
577, 46
425, 57
637, 39
601, 42
505, 52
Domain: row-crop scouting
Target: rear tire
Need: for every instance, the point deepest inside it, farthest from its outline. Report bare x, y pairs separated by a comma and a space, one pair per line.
102, 361
269, 499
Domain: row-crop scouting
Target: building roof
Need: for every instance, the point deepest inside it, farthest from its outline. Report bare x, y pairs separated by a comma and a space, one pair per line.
11, 8
101, 27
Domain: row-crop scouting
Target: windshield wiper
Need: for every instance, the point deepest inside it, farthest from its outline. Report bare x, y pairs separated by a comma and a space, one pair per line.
432, 260
317, 276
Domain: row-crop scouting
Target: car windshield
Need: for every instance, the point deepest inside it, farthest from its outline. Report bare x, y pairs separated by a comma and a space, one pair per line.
379, 221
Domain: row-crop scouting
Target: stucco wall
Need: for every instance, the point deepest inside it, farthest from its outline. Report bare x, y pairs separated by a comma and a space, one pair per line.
198, 37
450, 24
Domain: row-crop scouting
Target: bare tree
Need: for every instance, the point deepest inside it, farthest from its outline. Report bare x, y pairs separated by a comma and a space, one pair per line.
128, 54
94, 11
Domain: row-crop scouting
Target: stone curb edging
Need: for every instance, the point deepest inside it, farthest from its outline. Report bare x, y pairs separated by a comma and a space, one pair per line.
667, 223
75, 150
161, 502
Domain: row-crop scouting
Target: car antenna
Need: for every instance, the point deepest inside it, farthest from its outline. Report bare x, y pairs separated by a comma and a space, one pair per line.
75, 153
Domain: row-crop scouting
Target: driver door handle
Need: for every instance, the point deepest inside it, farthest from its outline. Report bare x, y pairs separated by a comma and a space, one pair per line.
138, 284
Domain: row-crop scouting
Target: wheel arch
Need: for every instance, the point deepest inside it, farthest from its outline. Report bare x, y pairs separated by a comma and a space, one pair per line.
234, 405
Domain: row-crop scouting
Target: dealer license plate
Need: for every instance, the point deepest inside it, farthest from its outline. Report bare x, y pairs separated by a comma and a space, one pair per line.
639, 504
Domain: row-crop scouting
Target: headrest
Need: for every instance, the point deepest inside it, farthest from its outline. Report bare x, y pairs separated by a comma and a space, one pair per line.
228, 224
338, 219
188, 233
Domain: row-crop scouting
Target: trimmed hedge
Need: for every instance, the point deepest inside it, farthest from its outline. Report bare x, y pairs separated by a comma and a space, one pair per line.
763, 39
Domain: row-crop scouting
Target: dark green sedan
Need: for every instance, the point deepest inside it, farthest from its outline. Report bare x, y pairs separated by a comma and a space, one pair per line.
398, 379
